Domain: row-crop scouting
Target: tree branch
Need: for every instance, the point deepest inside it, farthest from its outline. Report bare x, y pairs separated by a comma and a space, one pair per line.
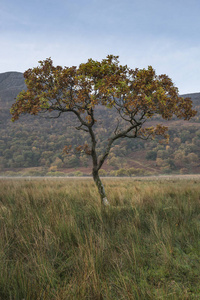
111, 141
80, 128
115, 131
60, 112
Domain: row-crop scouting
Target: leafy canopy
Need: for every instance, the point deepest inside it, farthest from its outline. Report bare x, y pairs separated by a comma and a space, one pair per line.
136, 94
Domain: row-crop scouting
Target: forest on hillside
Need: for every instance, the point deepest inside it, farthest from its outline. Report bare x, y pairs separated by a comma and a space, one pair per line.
38, 143
34, 146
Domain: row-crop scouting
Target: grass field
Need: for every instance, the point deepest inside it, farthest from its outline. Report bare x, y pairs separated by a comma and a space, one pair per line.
56, 242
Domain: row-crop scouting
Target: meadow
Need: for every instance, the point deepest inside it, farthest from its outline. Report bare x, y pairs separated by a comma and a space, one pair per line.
57, 242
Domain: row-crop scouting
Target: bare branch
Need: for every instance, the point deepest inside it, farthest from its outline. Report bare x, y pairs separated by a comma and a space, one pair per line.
80, 128
123, 116
56, 117
111, 141
115, 131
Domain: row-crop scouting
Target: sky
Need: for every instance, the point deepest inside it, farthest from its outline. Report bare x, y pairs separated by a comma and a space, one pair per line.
162, 33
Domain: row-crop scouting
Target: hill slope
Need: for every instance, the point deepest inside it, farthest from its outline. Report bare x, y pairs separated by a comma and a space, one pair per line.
11, 83
36, 144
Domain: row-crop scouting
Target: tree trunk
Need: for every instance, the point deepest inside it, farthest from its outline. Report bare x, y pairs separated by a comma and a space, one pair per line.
100, 187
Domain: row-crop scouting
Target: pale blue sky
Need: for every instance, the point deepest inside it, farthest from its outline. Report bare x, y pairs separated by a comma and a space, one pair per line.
161, 33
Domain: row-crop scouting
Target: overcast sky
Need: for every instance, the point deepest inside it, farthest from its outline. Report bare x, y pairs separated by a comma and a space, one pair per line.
161, 33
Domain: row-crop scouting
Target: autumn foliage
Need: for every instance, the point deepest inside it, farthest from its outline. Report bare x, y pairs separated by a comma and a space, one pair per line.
136, 94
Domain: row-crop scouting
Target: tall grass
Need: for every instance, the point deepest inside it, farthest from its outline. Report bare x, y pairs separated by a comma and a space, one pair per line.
56, 242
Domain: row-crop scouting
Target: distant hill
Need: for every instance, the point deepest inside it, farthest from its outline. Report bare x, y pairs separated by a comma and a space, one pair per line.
11, 80
35, 145
195, 97
11, 83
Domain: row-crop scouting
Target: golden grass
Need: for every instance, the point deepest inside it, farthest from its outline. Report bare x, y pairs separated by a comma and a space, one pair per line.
58, 243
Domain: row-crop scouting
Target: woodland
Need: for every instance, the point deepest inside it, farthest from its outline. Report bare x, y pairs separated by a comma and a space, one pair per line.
34, 145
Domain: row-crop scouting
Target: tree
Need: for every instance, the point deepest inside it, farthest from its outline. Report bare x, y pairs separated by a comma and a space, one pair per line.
136, 95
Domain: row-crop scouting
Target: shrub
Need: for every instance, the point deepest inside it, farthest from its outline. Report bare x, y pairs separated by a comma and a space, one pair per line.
151, 155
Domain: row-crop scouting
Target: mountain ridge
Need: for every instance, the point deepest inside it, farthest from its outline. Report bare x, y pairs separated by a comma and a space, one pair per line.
11, 79
11, 84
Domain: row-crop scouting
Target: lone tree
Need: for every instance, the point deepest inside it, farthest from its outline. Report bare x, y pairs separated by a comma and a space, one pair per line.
136, 95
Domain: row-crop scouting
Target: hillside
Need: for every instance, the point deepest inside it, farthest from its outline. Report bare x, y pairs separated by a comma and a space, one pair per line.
11, 83
33, 145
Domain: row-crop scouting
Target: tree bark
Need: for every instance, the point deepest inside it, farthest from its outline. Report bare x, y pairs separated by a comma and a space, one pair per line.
100, 187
